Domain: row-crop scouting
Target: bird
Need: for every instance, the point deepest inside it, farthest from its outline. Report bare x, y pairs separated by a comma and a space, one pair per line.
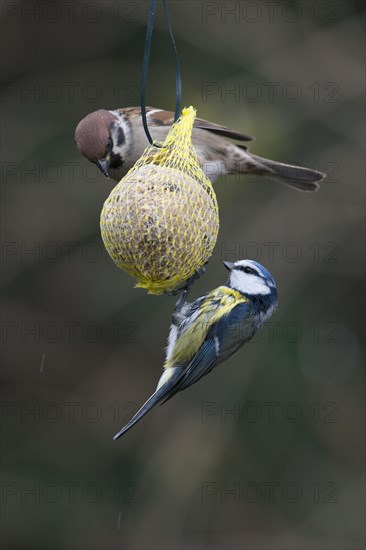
210, 329
114, 140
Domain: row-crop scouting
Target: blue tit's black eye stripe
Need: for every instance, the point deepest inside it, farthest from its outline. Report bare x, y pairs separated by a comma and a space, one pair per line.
248, 270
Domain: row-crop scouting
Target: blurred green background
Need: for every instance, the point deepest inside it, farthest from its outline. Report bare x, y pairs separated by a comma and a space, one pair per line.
265, 453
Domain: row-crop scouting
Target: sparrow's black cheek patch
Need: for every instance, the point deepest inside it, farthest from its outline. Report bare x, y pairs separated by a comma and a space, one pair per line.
115, 161
120, 136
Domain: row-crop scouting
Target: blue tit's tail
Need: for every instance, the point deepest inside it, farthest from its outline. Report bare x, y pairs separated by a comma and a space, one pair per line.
165, 389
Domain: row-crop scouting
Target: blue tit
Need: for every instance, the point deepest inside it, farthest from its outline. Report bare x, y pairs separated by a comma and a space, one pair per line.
207, 331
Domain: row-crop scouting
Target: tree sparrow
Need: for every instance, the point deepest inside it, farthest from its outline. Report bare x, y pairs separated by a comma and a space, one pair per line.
114, 140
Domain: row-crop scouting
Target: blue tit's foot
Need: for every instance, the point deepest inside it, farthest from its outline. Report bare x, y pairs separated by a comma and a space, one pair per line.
188, 284
182, 301
196, 275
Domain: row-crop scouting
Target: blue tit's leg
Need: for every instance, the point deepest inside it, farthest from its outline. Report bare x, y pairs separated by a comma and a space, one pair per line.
177, 317
196, 275
181, 302
189, 282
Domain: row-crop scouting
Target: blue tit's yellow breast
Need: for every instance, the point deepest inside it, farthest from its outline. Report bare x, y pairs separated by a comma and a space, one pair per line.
216, 305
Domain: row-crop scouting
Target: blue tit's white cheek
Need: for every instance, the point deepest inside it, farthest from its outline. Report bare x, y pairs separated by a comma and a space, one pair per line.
247, 283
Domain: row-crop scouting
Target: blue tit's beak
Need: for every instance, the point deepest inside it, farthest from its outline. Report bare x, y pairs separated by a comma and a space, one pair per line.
228, 265
103, 165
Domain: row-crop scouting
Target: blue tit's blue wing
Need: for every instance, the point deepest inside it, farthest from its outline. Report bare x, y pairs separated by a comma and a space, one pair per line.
224, 338
233, 330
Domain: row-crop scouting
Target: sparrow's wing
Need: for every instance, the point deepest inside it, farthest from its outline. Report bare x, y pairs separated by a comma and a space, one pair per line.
160, 117
221, 130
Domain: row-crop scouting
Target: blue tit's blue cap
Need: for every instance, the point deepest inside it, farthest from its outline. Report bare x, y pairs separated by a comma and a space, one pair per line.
263, 271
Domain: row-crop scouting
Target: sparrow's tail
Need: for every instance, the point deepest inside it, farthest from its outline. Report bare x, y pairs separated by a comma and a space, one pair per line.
303, 179
164, 390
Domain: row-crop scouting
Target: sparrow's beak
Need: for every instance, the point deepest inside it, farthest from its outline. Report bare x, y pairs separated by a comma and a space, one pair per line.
103, 165
228, 265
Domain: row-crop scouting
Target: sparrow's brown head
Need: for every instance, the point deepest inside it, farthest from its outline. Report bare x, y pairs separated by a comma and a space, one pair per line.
93, 137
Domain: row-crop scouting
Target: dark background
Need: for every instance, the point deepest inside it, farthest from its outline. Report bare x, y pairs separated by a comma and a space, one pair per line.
266, 452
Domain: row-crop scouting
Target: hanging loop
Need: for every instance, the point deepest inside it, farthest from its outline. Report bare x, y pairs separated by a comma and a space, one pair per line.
145, 67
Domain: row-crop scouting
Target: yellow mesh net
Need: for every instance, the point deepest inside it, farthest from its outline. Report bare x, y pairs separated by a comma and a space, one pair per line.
160, 222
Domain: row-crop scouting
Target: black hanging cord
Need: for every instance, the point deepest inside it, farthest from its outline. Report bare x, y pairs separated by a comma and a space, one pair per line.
145, 67
178, 78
